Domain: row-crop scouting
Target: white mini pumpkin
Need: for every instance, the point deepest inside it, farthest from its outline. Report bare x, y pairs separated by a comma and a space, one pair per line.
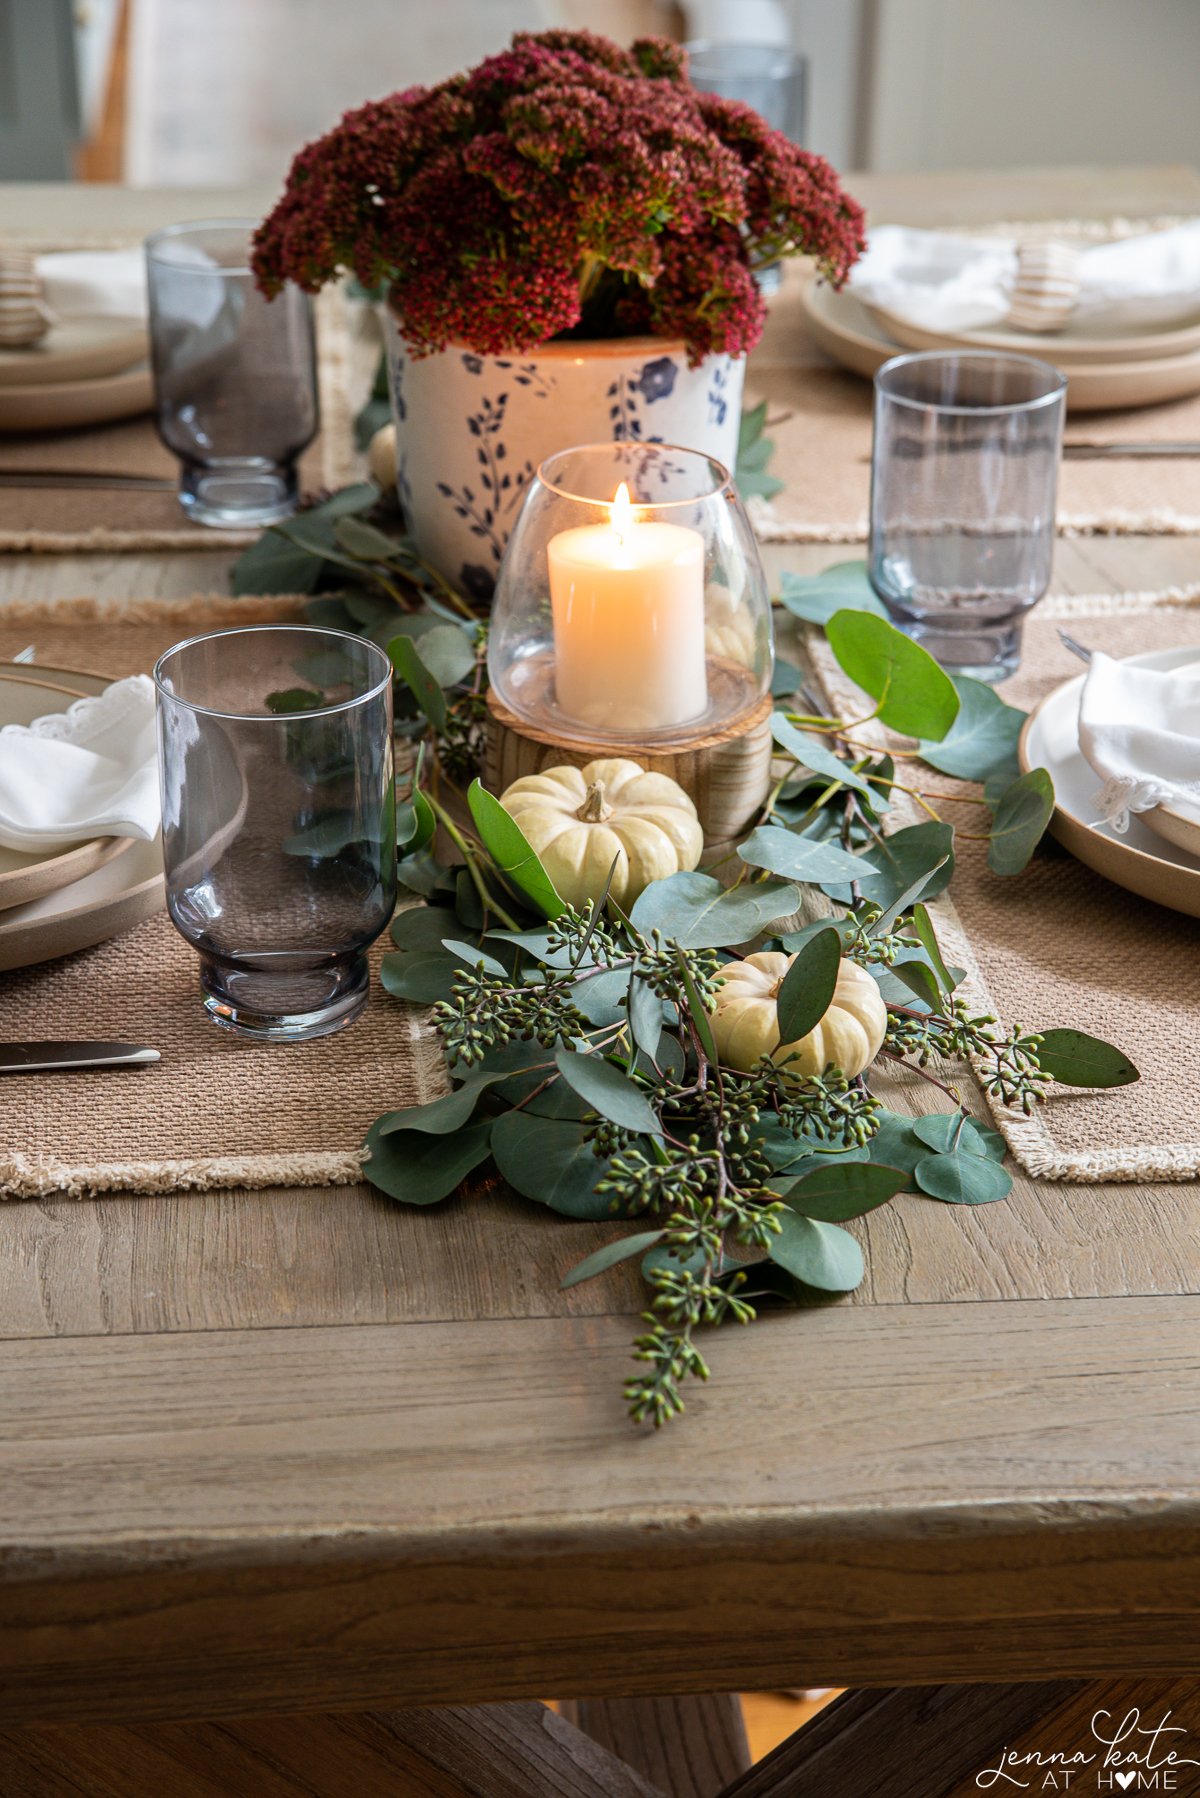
745, 1024
578, 819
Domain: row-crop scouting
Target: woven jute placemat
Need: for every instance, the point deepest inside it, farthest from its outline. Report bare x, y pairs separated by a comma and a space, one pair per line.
215, 1111
819, 417
77, 519
1060, 946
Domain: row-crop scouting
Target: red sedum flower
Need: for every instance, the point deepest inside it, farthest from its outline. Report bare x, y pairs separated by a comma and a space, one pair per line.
563, 186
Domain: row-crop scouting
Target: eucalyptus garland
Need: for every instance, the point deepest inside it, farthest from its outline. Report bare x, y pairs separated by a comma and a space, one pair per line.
579, 1044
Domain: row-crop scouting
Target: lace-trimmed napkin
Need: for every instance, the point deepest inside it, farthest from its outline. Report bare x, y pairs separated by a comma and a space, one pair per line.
1139, 728
90, 771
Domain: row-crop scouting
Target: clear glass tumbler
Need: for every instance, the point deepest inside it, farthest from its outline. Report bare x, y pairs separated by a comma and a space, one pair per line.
235, 375
279, 821
770, 77
964, 474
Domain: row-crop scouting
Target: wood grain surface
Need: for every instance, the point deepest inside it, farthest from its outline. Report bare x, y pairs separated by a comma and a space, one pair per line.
279, 1451
690, 1747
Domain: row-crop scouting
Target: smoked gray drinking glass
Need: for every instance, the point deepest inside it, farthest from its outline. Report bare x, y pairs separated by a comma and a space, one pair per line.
770, 78
279, 821
235, 375
964, 475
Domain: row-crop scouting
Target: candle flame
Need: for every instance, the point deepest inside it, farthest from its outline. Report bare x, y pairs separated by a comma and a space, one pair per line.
621, 512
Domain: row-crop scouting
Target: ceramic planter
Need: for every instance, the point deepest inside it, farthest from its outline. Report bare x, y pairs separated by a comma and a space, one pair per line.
471, 430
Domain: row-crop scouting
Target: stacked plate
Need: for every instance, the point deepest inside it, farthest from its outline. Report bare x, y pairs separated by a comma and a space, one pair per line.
54, 903
1113, 370
1159, 855
84, 371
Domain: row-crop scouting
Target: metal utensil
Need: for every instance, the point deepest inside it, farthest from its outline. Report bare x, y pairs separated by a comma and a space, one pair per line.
50, 477
53, 1058
25, 655
1076, 648
1082, 451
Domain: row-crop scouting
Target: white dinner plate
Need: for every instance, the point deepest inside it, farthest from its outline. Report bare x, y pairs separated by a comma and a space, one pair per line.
1066, 349
845, 330
120, 892
25, 694
1143, 860
77, 349
66, 405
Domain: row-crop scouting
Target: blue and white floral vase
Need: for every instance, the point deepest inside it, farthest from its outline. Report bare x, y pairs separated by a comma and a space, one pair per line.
471, 431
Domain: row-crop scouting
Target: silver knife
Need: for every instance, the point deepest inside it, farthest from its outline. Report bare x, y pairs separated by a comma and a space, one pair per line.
1080, 451
52, 1058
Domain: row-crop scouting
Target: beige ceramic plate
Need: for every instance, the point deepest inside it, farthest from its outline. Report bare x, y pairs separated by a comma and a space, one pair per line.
78, 349
1142, 861
117, 894
846, 331
1066, 349
26, 694
62, 405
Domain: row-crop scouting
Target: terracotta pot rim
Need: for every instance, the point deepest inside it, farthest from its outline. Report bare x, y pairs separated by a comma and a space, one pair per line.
578, 349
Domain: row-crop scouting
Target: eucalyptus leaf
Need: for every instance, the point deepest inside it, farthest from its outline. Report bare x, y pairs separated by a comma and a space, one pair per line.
607, 1090
947, 1131
816, 597
914, 694
896, 1144
786, 678
983, 737
440, 1116
806, 992
330, 834
448, 652
505, 842
963, 1178
475, 957
364, 540
699, 913
1077, 1059
920, 980
421, 926
800, 858
613, 1252
405, 657
645, 1015
925, 934
1020, 821
275, 565
601, 998
550, 1161
843, 1189
697, 1013
421, 1169
416, 825
422, 976
812, 754
912, 863
820, 1254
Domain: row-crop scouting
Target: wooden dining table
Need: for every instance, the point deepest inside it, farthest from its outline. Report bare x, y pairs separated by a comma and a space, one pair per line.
307, 1491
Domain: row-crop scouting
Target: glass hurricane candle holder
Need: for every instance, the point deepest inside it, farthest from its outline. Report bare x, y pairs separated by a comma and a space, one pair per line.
631, 604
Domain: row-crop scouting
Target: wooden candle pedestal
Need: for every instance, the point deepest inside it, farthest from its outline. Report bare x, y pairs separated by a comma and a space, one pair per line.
726, 773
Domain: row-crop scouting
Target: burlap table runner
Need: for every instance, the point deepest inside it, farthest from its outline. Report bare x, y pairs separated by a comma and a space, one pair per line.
820, 420
1059, 945
76, 519
216, 1111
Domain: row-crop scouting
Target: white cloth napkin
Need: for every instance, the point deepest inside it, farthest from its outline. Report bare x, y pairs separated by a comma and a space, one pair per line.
95, 283
946, 283
91, 771
1139, 728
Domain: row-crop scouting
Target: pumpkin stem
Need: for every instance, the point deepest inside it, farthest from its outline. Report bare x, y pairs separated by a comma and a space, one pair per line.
594, 809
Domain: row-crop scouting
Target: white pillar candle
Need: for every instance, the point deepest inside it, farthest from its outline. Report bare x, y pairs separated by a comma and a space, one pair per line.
628, 604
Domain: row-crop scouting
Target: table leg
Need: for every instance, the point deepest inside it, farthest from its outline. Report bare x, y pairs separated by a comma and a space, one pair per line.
691, 1747
479, 1751
933, 1741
